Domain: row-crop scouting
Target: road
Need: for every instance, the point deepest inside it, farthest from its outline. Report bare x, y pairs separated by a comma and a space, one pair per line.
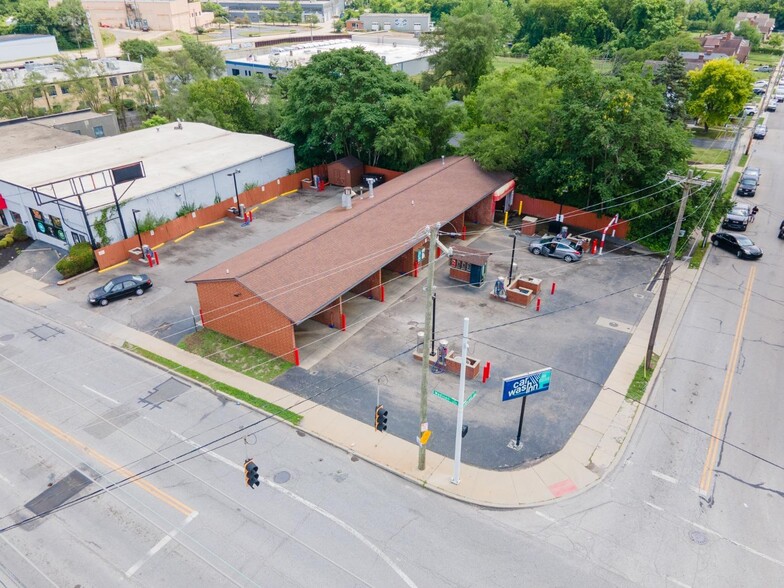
77, 418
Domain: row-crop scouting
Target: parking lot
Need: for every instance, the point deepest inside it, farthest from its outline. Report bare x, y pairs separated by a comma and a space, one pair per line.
579, 332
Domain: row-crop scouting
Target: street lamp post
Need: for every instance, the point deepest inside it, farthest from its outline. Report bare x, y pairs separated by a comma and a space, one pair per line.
136, 222
236, 191
511, 263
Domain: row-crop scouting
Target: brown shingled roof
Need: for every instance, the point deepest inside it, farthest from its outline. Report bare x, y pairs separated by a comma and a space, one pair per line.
303, 270
472, 256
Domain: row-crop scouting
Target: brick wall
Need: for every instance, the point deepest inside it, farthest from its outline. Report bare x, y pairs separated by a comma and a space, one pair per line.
482, 212
230, 308
574, 216
330, 316
369, 287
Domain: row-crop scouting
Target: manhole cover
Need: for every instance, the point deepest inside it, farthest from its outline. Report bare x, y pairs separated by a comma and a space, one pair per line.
637, 295
314, 372
613, 324
354, 458
6, 337
698, 537
281, 477
300, 433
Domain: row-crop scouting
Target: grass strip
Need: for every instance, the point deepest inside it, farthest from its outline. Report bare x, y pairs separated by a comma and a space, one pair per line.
269, 407
709, 156
641, 378
696, 258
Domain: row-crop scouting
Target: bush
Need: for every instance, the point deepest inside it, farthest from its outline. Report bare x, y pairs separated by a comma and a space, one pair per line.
80, 259
6, 241
187, 208
19, 233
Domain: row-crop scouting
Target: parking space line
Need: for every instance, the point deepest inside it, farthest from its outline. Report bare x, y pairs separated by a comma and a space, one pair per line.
86, 387
664, 477
220, 222
111, 267
159, 246
185, 236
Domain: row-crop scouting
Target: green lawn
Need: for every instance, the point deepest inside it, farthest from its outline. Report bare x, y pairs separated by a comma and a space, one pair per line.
711, 156
698, 254
237, 356
108, 38
501, 63
756, 59
714, 133
640, 382
743, 159
172, 38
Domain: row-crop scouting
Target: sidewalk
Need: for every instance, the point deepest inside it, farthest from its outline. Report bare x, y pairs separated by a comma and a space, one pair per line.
590, 452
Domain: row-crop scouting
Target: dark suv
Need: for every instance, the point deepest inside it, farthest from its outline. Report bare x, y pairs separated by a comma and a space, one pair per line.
747, 186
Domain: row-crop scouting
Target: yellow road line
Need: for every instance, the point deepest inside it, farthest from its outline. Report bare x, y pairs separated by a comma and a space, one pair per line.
158, 246
270, 200
185, 236
111, 267
289, 192
254, 209
143, 484
220, 222
724, 400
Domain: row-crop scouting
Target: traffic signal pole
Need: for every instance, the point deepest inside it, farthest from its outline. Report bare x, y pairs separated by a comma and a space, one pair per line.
431, 274
460, 402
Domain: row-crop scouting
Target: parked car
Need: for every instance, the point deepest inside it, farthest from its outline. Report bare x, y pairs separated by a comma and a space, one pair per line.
740, 245
556, 248
760, 131
750, 110
759, 90
761, 84
120, 287
738, 218
772, 105
747, 187
752, 172
764, 68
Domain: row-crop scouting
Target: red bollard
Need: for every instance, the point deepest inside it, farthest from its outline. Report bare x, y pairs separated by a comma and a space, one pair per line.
245, 217
250, 216
416, 269
201, 314
538, 304
296, 356
464, 233
342, 322
157, 261
486, 372
382, 293
552, 289
149, 260
438, 252
594, 245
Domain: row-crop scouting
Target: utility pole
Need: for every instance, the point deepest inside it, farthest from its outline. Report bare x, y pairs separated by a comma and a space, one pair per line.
431, 276
687, 183
460, 405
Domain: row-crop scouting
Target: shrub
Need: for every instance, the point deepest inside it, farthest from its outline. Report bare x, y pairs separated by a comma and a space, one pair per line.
6, 241
187, 208
150, 222
19, 233
80, 259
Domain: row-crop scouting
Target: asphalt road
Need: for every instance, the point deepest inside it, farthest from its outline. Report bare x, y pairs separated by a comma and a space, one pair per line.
77, 418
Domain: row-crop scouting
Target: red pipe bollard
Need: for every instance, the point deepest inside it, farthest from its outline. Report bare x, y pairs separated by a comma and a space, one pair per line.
157, 261
149, 260
245, 217
552, 289
538, 304
438, 253
382, 293
342, 322
486, 372
201, 314
594, 245
250, 215
416, 269
464, 233
296, 356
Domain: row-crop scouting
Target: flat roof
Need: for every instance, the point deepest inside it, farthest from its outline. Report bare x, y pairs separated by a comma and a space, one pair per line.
171, 157
19, 37
358, 241
53, 72
30, 138
51, 120
392, 51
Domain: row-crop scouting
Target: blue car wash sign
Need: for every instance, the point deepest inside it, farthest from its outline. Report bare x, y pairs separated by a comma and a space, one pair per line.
526, 384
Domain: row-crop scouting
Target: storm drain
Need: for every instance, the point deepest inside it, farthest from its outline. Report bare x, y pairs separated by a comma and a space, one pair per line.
615, 325
44, 332
165, 392
59, 493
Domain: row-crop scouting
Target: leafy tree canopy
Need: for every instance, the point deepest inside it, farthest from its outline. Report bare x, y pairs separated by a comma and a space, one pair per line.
719, 90
138, 49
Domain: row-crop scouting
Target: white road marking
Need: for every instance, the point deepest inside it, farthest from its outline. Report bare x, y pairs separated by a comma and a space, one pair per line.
654, 506
664, 477
546, 517
160, 545
86, 387
677, 583
342, 524
741, 545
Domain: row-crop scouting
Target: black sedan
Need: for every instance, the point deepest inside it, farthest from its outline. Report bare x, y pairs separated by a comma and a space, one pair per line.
120, 287
739, 245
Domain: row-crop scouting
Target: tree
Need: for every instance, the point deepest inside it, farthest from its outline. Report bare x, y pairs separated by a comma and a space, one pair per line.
71, 27
216, 9
718, 91
207, 57
464, 48
138, 49
154, 121
749, 32
220, 102
337, 104
650, 21
672, 76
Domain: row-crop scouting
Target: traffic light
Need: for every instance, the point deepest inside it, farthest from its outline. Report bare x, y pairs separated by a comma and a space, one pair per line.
381, 418
251, 473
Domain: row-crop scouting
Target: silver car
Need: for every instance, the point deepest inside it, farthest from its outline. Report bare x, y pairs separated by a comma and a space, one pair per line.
554, 248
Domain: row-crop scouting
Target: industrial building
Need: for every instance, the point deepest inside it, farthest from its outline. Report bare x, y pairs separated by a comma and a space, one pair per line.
326, 10
401, 54
402, 23
21, 47
310, 273
160, 171
154, 15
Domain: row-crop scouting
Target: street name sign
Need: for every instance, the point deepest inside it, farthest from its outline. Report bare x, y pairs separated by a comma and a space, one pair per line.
526, 384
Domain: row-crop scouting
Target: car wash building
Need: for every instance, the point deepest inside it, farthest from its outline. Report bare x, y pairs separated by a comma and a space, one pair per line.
265, 295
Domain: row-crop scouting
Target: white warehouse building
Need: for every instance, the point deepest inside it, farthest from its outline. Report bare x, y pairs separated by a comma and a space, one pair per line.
59, 194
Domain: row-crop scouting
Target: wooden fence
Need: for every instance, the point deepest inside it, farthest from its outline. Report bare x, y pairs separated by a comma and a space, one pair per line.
575, 217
